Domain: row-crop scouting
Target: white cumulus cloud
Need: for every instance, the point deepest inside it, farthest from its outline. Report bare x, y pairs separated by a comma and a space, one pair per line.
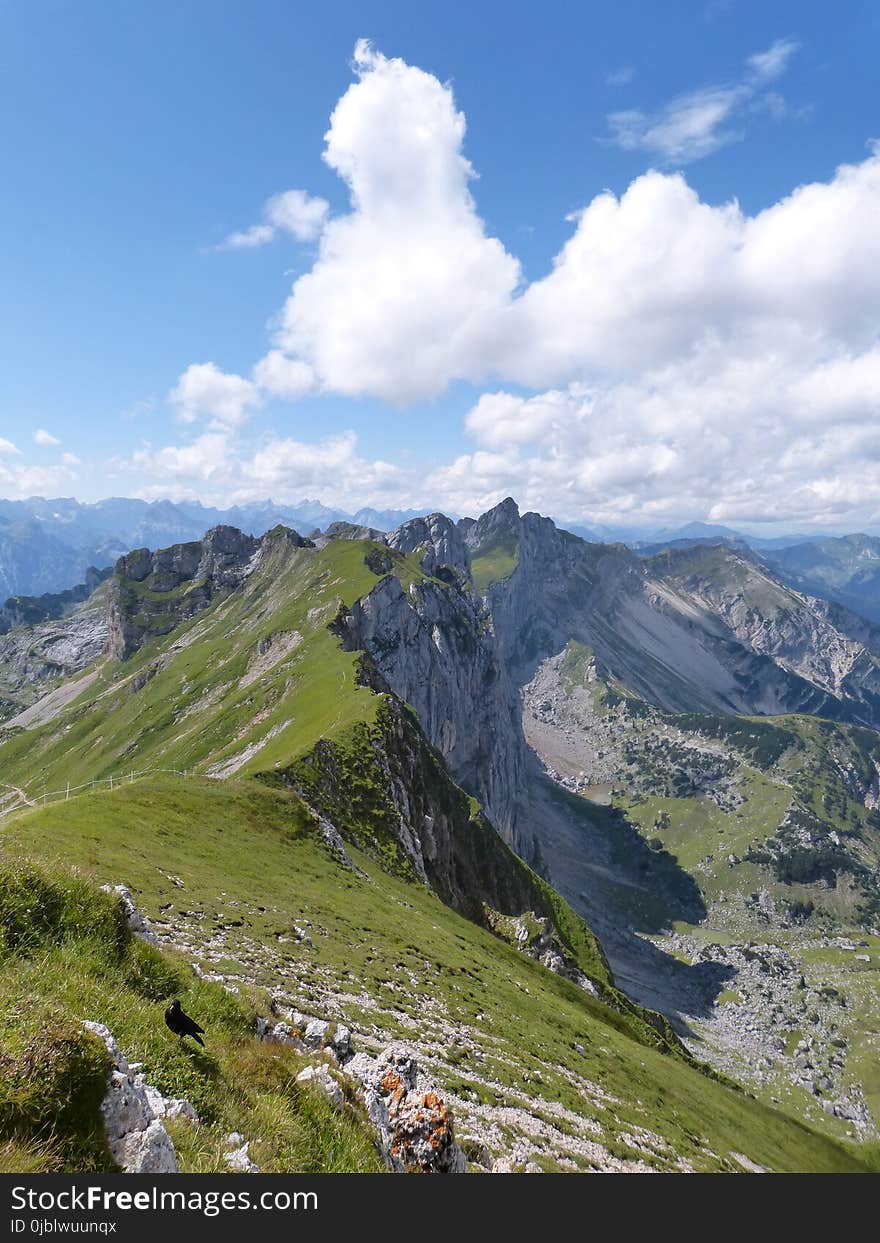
19, 479
205, 391
294, 212
248, 239
298, 214
284, 377
218, 468
678, 357
406, 283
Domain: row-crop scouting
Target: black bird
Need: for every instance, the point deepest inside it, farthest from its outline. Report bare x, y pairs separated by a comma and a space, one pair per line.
181, 1024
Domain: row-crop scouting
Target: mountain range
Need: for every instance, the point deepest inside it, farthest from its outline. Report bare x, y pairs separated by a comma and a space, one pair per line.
592, 830
47, 545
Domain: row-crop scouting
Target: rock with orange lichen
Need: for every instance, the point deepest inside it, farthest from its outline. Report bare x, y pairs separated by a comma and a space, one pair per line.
413, 1123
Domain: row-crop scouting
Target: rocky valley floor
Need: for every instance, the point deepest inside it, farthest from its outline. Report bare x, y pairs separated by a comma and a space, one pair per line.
762, 985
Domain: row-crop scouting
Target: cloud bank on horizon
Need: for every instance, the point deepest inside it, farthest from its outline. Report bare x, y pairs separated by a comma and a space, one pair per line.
679, 358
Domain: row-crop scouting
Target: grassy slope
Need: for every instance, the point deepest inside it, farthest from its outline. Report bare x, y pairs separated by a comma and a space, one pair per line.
494, 560
180, 703
65, 956
354, 779
231, 688
399, 960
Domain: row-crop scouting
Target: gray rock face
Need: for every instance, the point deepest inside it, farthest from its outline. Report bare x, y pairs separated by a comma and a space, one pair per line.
137, 924
350, 530
827, 652
237, 1156
33, 656
440, 539
136, 1137
434, 646
697, 629
320, 1078
170, 1107
314, 1033
501, 520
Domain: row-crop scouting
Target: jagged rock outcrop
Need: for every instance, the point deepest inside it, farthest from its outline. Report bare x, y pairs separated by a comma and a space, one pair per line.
236, 1155
138, 1140
413, 1124
350, 530
320, 1078
171, 1106
441, 542
414, 1127
137, 925
151, 593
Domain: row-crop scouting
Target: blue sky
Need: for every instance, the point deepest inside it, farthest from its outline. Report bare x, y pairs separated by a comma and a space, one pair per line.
681, 358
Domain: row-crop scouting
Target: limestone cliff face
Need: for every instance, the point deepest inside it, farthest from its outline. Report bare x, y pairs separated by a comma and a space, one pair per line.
434, 646
701, 629
557, 584
151, 593
819, 641
33, 655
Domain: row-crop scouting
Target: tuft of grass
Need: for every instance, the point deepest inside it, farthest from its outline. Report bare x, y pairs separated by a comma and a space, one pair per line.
53, 1077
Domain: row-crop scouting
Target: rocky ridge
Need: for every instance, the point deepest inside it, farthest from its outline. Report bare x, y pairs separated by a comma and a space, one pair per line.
395, 1078
136, 1136
151, 593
